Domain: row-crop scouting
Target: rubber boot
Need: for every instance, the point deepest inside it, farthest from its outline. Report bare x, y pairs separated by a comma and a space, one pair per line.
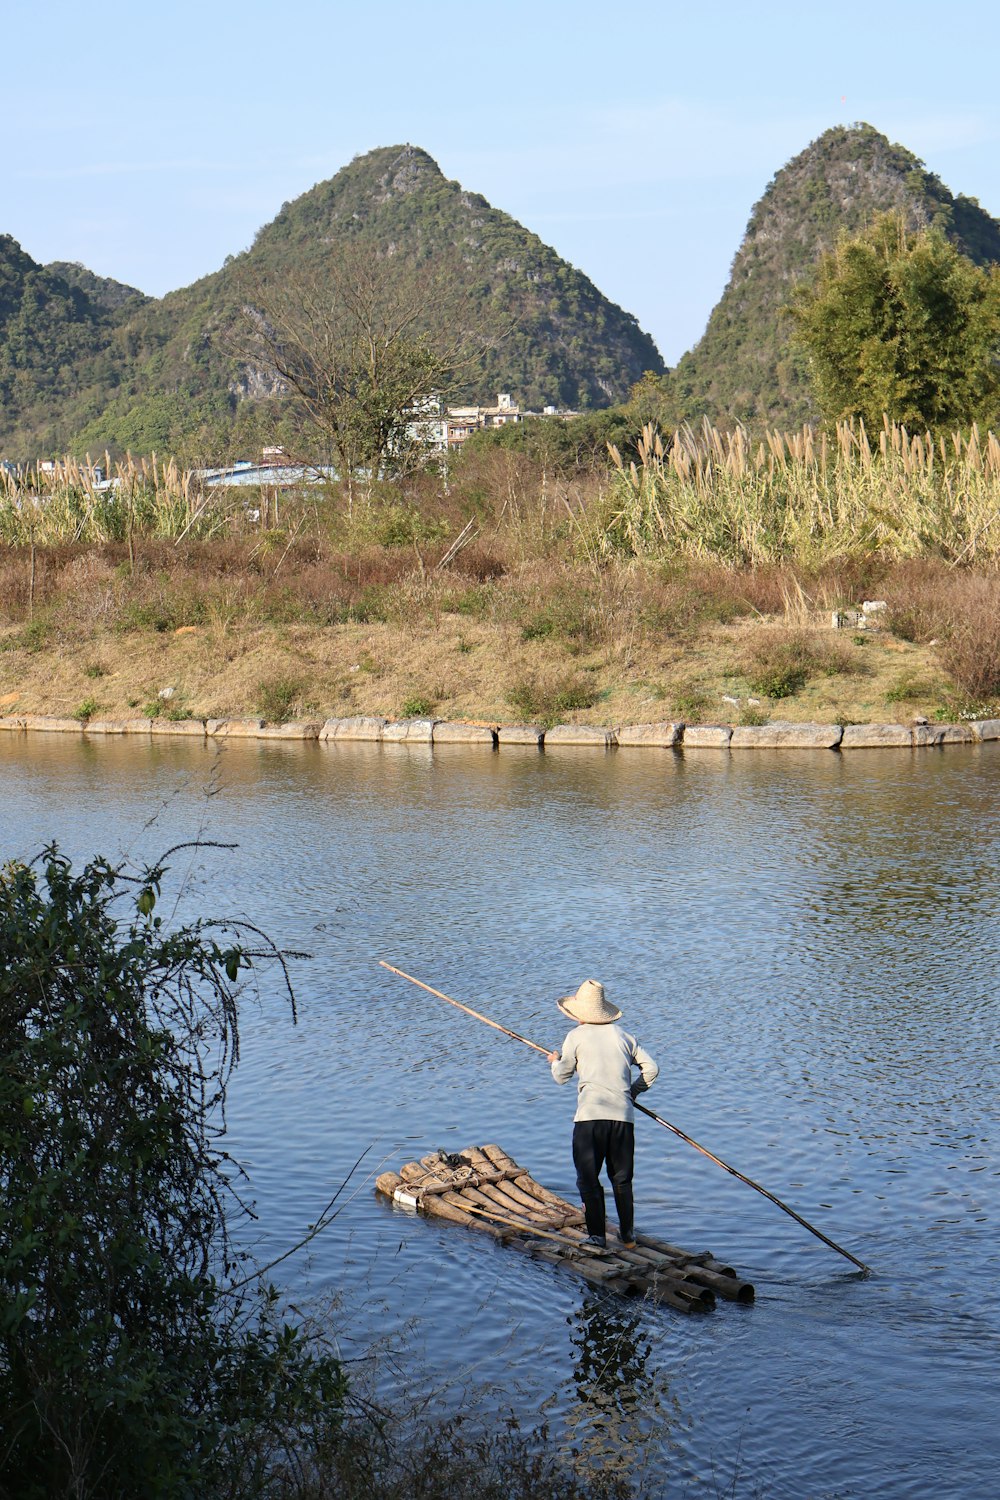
626, 1212
595, 1215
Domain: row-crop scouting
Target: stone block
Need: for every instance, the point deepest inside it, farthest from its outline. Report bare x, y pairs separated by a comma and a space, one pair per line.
11, 721
876, 737
52, 724
945, 734
706, 737
408, 732
942, 734
366, 727
295, 729
657, 735
117, 726
985, 729
192, 728
234, 729
463, 734
520, 734
784, 736
579, 734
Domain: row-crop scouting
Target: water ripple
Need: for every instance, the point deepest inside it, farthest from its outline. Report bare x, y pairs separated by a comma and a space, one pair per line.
808, 945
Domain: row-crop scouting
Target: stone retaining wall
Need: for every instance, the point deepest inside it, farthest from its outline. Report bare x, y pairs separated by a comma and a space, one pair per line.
372, 729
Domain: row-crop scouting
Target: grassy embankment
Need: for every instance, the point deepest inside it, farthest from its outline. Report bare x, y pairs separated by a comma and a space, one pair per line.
656, 590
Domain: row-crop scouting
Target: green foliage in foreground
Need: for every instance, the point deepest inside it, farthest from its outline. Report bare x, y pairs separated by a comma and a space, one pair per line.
904, 325
136, 1355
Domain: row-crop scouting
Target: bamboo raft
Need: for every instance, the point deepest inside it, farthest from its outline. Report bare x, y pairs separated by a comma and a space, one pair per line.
483, 1188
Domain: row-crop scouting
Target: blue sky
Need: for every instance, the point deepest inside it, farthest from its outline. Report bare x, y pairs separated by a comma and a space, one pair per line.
150, 142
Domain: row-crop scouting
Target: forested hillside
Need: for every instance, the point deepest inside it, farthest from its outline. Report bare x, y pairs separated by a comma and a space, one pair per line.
744, 367
107, 369
57, 360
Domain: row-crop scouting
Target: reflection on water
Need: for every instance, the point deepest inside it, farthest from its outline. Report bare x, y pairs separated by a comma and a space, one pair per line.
621, 1404
809, 946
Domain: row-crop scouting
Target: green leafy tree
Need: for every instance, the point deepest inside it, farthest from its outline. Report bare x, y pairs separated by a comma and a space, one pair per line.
138, 1355
904, 325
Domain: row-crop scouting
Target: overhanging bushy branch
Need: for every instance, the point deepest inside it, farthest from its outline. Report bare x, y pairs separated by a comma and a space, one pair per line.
133, 1358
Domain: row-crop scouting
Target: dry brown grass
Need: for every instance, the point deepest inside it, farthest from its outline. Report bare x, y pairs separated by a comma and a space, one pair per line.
505, 631
958, 613
309, 612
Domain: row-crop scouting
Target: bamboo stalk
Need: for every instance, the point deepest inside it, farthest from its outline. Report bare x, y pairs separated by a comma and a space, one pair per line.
459, 1006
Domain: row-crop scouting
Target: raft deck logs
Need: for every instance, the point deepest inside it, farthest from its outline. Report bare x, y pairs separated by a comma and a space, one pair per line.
483, 1188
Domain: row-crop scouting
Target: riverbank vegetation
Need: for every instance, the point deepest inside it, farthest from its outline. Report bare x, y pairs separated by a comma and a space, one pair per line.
139, 1354
532, 581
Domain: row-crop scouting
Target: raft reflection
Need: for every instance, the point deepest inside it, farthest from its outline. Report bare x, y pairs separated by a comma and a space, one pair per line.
619, 1404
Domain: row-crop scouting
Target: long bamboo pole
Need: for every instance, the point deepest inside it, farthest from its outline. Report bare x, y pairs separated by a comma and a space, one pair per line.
681, 1135
756, 1185
467, 1008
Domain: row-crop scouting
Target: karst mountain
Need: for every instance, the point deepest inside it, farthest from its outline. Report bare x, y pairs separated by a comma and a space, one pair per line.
88, 363
84, 361
744, 367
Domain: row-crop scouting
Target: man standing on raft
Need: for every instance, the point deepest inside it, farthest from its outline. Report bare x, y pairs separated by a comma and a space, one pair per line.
602, 1055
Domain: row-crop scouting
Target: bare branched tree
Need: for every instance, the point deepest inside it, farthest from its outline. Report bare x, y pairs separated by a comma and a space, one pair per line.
358, 344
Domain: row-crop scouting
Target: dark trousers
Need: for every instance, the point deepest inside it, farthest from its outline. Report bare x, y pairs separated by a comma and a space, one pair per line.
597, 1143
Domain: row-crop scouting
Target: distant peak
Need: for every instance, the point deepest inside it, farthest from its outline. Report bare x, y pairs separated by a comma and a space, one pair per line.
744, 366
398, 168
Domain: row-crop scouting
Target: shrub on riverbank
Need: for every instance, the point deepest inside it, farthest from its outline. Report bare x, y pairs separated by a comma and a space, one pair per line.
453, 1461
547, 702
959, 612
139, 1354
780, 664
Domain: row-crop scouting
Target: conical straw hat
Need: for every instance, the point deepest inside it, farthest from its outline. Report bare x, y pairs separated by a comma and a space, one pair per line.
589, 1004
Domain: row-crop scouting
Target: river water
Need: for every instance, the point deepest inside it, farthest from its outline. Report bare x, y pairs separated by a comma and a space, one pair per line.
809, 945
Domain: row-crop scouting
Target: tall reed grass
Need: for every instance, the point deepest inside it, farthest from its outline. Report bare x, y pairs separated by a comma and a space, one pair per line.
806, 497
104, 502
801, 498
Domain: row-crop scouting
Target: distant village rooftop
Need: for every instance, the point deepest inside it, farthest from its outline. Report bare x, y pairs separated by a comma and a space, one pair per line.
444, 432
439, 431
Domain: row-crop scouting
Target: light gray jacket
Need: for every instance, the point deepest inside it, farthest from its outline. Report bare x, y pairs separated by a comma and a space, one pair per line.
602, 1057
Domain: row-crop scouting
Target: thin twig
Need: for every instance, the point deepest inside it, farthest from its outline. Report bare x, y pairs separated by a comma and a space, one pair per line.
462, 540
323, 1221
